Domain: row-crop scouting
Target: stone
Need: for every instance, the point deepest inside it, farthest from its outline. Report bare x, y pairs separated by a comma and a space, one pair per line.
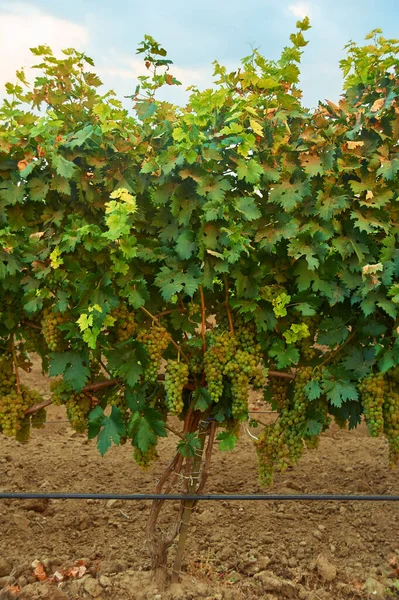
36, 504
5, 567
108, 567
206, 517
318, 534
271, 583
176, 591
93, 588
326, 569
375, 589
21, 523
104, 581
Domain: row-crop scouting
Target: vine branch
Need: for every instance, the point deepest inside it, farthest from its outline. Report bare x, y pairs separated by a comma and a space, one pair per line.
14, 357
226, 286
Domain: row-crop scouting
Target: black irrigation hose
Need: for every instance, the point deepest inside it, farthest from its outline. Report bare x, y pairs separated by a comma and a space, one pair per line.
212, 497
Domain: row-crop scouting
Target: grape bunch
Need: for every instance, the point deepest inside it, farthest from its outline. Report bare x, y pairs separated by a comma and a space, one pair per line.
241, 369
220, 350
13, 421
278, 390
156, 339
145, 459
124, 322
38, 418
34, 340
78, 405
50, 327
176, 378
372, 393
281, 443
391, 424
246, 336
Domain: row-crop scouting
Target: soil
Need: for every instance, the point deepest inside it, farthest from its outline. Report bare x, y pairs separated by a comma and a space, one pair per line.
236, 550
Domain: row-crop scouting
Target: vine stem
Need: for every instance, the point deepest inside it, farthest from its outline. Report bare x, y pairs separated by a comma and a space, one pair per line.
334, 354
226, 286
156, 320
202, 318
188, 507
14, 356
282, 374
33, 325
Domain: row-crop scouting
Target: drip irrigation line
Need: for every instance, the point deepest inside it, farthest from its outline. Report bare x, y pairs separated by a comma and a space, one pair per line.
211, 497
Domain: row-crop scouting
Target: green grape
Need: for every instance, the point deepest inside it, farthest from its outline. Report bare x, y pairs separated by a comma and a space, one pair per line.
50, 327
391, 424
220, 350
145, 459
124, 325
281, 443
156, 339
279, 391
372, 393
78, 405
12, 410
39, 418
23, 433
176, 378
34, 340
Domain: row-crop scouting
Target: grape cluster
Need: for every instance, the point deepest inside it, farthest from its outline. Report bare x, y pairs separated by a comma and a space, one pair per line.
391, 424
77, 405
145, 459
241, 369
372, 393
124, 322
281, 443
50, 327
155, 340
34, 340
38, 418
220, 350
176, 378
14, 403
246, 335
279, 389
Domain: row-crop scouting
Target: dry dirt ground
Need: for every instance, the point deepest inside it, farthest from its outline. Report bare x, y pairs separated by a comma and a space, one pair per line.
237, 550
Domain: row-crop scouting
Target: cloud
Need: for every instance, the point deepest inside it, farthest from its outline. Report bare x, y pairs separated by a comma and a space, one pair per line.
23, 26
300, 9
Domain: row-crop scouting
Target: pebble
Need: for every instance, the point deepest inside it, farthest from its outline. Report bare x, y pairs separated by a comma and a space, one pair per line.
5, 567
93, 588
326, 569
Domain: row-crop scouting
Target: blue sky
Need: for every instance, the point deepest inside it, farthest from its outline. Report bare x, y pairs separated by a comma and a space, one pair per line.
194, 34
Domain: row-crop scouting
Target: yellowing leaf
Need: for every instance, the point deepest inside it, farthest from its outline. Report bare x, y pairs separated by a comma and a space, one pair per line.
256, 127
378, 104
55, 258
353, 145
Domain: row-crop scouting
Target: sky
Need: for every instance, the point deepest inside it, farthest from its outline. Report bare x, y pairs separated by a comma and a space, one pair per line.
194, 33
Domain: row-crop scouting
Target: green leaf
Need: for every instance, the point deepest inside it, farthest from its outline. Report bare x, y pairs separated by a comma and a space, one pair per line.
313, 389
202, 399
338, 391
73, 367
388, 169
227, 441
247, 206
65, 168
108, 429
187, 446
250, 170
185, 244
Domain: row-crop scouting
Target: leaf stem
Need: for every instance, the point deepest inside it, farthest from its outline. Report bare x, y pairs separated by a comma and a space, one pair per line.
337, 350
14, 356
226, 286
203, 326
